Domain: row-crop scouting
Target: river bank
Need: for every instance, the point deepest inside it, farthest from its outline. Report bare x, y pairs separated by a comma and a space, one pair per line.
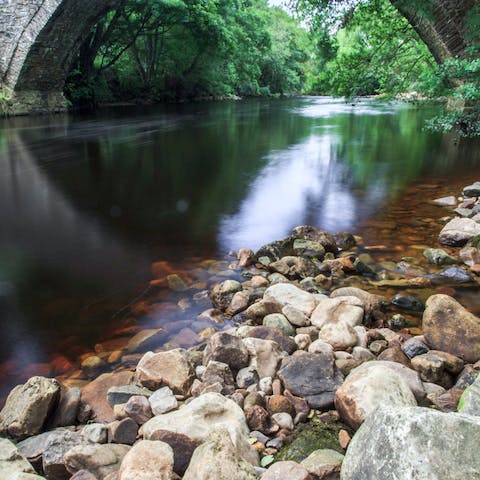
289, 375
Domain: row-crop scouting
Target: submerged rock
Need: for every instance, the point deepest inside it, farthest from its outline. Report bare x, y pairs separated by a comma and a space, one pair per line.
438, 256
414, 442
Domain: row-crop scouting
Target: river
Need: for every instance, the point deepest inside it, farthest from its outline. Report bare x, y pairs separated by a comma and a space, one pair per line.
89, 201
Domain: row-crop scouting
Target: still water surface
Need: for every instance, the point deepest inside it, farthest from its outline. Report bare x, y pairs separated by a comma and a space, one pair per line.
88, 202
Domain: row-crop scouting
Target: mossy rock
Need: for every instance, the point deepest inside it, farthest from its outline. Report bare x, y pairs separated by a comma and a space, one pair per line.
309, 437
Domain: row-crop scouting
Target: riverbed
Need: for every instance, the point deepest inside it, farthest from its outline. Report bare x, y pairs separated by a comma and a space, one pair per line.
90, 201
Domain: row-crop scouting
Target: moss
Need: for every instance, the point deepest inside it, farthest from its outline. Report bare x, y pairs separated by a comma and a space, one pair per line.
309, 437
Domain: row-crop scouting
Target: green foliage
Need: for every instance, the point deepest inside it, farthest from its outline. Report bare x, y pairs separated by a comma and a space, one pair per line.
187, 49
376, 51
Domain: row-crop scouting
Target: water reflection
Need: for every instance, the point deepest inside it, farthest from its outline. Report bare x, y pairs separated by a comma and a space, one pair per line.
89, 202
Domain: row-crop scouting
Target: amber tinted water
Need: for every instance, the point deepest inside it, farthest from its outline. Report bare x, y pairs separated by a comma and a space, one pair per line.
89, 202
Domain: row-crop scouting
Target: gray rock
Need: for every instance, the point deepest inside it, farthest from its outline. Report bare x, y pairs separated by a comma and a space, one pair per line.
287, 469
472, 190
340, 335
121, 395
324, 464
12, 463
456, 275
313, 377
458, 231
308, 248
247, 376
163, 401
277, 320
408, 302
286, 343
218, 372
67, 410
413, 347
295, 317
419, 443
55, 449
348, 310
32, 448
99, 460
95, 432
470, 401
217, 459
28, 407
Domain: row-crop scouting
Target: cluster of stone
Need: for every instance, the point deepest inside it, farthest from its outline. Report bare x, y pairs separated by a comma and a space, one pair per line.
233, 407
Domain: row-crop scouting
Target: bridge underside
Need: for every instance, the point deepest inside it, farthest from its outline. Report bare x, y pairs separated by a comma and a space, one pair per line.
40, 38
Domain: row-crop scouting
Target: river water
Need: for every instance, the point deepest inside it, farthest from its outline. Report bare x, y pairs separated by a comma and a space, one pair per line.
89, 201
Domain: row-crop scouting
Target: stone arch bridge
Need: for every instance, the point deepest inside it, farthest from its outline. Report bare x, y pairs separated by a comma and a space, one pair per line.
39, 40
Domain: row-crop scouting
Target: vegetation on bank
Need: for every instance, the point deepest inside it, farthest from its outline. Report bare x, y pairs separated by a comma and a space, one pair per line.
177, 50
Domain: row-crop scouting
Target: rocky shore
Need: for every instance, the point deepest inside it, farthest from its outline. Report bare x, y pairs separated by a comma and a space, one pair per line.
315, 362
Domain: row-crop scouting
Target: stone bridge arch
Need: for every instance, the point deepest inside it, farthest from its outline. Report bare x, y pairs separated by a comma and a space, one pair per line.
38, 41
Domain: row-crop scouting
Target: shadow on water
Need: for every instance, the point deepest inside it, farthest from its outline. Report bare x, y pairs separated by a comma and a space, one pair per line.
89, 202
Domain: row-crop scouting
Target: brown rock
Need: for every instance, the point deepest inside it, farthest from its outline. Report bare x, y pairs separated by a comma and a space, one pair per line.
138, 409
266, 333
182, 445
259, 419
279, 403
449, 327
343, 438
122, 431
395, 354
448, 401
95, 394
245, 257
170, 368
228, 349
432, 368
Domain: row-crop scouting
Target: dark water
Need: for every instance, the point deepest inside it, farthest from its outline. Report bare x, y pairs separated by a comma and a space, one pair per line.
88, 202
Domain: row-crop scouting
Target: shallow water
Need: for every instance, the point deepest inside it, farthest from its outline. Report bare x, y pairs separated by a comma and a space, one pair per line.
89, 202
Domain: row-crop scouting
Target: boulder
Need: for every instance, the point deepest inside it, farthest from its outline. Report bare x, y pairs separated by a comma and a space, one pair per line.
171, 368
203, 415
366, 390
122, 394
295, 317
218, 459
95, 394
138, 409
28, 407
265, 355
458, 231
449, 327
369, 300
147, 460
283, 294
340, 335
99, 460
226, 348
12, 463
122, 431
414, 442
312, 376
218, 372
472, 190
